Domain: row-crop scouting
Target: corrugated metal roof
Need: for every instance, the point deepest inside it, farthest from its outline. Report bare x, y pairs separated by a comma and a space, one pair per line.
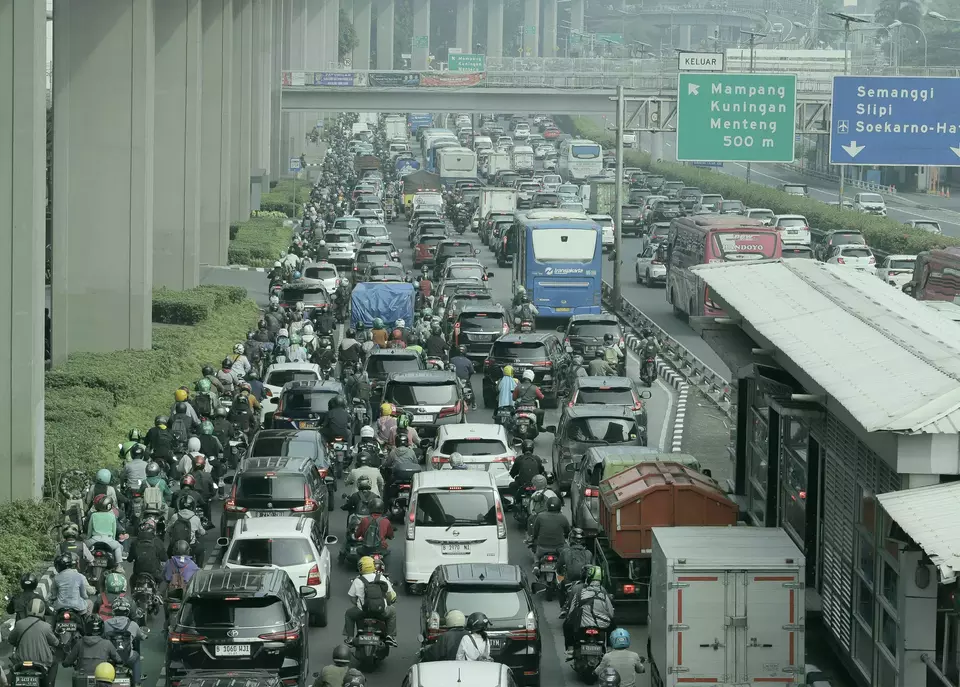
929, 516
890, 360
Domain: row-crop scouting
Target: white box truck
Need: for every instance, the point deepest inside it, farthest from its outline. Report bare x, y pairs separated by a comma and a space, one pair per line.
499, 160
497, 200
726, 607
395, 128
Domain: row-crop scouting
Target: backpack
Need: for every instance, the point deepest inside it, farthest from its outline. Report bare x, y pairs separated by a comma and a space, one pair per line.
152, 498
177, 580
181, 529
180, 428
371, 538
579, 557
374, 596
106, 606
240, 413
203, 404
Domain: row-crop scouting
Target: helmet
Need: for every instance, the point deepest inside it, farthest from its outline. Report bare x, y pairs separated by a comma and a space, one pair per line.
203, 386
477, 622
576, 535
341, 655
220, 411
377, 506
527, 446
351, 332
400, 323
609, 677
377, 323
283, 332
121, 606
65, 560
277, 264
366, 565
226, 363
427, 312
367, 432
188, 481
28, 581
252, 374
507, 370
115, 582
238, 348
593, 573
403, 421
608, 338
104, 504
578, 360
199, 462
306, 331
297, 275
334, 403
105, 672
148, 526
70, 531
401, 439
364, 484
180, 395
138, 452
206, 427
386, 409
553, 504
360, 326
454, 618
187, 502
193, 444
620, 639
539, 482
456, 460
135, 435
206, 370
153, 469
181, 548
397, 334
94, 625
528, 375
354, 678
160, 420
180, 408
598, 353
104, 476
299, 306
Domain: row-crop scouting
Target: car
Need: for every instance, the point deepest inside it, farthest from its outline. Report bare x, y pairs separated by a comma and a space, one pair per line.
372, 232
540, 352
477, 325
371, 256
424, 212
342, 246
795, 189
426, 248
546, 200
550, 133
368, 216
348, 224
584, 333
610, 391
461, 673
765, 215
671, 189
568, 191
488, 222
279, 375
325, 273
841, 237
731, 207
663, 210
382, 272
291, 443
581, 427
304, 404
607, 231
458, 299
631, 217
571, 206
870, 204
380, 363
709, 202
526, 190
241, 620
484, 446
552, 182
455, 515
451, 248
792, 228
659, 232
651, 267
465, 268
897, 270
655, 182
294, 545
689, 196
433, 398
926, 225
855, 256
312, 295
500, 591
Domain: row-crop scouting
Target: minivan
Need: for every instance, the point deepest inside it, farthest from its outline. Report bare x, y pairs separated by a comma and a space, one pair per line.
455, 516
431, 397
476, 327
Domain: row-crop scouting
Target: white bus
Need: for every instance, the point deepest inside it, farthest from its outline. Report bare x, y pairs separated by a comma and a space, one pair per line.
431, 136
456, 163
579, 159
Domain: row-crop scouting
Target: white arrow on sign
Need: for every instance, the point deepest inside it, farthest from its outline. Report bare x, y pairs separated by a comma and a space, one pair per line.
853, 149
955, 150
693, 89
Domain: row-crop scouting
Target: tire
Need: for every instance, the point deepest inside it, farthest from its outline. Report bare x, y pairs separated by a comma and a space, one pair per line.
637, 272
648, 282
319, 619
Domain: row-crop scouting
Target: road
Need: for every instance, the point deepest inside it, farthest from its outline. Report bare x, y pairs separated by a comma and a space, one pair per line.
323, 640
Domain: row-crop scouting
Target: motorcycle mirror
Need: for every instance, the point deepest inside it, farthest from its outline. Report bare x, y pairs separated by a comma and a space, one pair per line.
645, 395
420, 638
329, 480
707, 472
275, 401
568, 349
222, 541
550, 429
330, 540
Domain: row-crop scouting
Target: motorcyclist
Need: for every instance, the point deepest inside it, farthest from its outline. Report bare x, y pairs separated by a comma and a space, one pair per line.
475, 645
121, 624
446, 646
148, 553
273, 318
102, 528
204, 401
423, 326
413, 343
426, 286
19, 603
542, 493
338, 422
386, 424
589, 605
92, 650
210, 374
396, 340
276, 274
359, 501
253, 350
350, 350
179, 568
182, 424
464, 368
550, 529
527, 393
324, 322
296, 353
519, 296
114, 586
525, 468
188, 487
368, 440
185, 525
379, 333
370, 602
257, 390
333, 675
72, 543
34, 641
182, 395
376, 540
295, 319
626, 664
135, 471
436, 345
526, 310
457, 462
611, 352
210, 445
649, 348
321, 252
401, 324
101, 486
599, 367
205, 485
69, 587
400, 464
362, 470
185, 466
159, 439
240, 364
573, 558
222, 427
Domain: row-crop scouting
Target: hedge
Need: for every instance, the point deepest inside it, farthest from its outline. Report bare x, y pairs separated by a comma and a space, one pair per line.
881, 233
258, 242
25, 541
193, 306
281, 197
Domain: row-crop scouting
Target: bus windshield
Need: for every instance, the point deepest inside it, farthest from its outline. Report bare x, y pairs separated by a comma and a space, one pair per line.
564, 245
585, 151
733, 246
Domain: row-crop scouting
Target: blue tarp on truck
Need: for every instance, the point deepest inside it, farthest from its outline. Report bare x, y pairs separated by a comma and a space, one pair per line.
388, 301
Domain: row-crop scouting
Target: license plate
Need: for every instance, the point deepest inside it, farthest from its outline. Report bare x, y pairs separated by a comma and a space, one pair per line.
424, 418
232, 650
593, 649
476, 466
272, 513
793, 231
67, 627
306, 425
548, 567
563, 309
338, 447
121, 682
27, 680
371, 640
455, 549
496, 643
101, 562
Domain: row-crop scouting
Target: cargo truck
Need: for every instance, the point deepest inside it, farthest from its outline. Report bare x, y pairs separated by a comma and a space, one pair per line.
395, 128
726, 607
603, 197
497, 200
498, 162
523, 159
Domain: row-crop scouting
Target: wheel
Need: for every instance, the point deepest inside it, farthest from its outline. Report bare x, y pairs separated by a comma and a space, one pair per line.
637, 272
319, 618
649, 281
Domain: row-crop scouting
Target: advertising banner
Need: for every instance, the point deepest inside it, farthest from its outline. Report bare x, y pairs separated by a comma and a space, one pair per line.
334, 79
394, 79
450, 79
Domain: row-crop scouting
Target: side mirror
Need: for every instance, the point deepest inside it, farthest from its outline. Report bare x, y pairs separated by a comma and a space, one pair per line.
275, 401
329, 480
645, 395
550, 429
420, 638
639, 255
222, 541
707, 472
476, 251
307, 592
537, 587
561, 329
330, 540
490, 274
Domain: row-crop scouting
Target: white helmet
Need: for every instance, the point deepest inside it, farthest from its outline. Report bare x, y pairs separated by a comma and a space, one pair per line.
283, 332
322, 242
193, 445
238, 349
454, 618
274, 300
299, 306
366, 432
400, 323
277, 264
307, 329
528, 375
456, 460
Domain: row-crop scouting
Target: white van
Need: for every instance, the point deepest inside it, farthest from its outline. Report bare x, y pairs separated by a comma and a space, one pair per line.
455, 516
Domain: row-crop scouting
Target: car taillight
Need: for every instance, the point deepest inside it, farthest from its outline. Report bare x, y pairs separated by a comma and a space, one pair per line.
412, 519
501, 525
505, 459
551, 558
267, 392
655, 262
230, 505
313, 577
629, 589
309, 505
184, 637
840, 261
452, 410
289, 636
638, 405
529, 631
323, 472
591, 492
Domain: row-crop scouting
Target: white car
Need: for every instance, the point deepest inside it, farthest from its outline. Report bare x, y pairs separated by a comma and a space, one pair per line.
484, 447
373, 232
606, 227
870, 204
858, 257
280, 374
765, 215
792, 228
896, 270
460, 673
651, 267
296, 545
551, 182
342, 244
930, 225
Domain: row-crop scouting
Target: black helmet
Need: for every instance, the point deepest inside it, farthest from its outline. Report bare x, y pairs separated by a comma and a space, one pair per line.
251, 334
148, 526
153, 470
477, 622
181, 548
598, 353
227, 363
138, 452
94, 625
354, 678
351, 334
28, 581
207, 370
341, 655
187, 502
377, 506
335, 402
576, 535
609, 677
65, 560
527, 445
121, 606
553, 504
402, 439
252, 374
180, 408
159, 420
607, 338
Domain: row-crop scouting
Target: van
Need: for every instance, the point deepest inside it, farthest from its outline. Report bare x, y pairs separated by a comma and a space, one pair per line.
455, 516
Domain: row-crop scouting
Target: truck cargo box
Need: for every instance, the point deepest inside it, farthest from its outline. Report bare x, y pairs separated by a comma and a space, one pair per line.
726, 607
660, 494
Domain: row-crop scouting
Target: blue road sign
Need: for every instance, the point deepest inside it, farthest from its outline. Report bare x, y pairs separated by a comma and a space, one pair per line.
294, 164
895, 120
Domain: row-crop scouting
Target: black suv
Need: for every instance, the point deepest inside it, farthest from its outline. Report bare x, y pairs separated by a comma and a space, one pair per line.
476, 327
502, 593
593, 425
540, 352
304, 404
584, 333
431, 397
689, 196
631, 218
383, 362
664, 211
277, 487
451, 248
291, 443
247, 620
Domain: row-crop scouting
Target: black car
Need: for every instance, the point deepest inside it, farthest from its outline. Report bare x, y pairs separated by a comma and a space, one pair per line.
664, 211
540, 352
546, 200
383, 362
241, 620
476, 327
290, 443
631, 219
451, 248
581, 427
304, 404
689, 196
502, 593
277, 487
584, 333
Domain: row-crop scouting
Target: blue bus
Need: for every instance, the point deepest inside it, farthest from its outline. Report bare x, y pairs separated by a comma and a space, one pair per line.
558, 261
418, 120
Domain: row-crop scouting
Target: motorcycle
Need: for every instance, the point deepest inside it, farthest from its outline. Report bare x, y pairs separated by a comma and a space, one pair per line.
29, 674
361, 414
67, 628
369, 645
238, 447
648, 371
341, 460
521, 510
349, 553
524, 423
102, 560
171, 609
546, 572
400, 501
503, 416
522, 326
588, 648
144, 589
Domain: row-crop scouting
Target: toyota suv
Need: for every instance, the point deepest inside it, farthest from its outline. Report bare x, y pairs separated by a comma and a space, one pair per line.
342, 245
632, 219
451, 248
476, 327
383, 362
241, 620
537, 351
593, 425
425, 248
304, 404
584, 333
431, 397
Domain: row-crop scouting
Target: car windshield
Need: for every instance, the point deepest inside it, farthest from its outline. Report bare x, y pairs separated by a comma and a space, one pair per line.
368, 257
302, 404
473, 446
668, 205
792, 222
346, 223
520, 350
856, 253
420, 393
282, 377
732, 206
570, 189
272, 486
789, 188
612, 430
612, 395
710, 200
386, 271
841, 238
373, 230
315, 296
286, 447
454, 249
761, 214
244, 612
871, 198
340, 237
597, 329
465, 272
460, 506
802, 252
320, 273
495, 604
431, 240
281, 552
481, 322
901, 265
928, 226
383, 365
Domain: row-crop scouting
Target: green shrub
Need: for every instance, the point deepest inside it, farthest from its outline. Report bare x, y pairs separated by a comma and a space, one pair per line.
881, 233
193, 306
25, 541
259, 242
281, 197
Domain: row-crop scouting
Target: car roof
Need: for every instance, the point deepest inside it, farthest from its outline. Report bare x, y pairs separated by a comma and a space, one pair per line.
402, 352
272, 464
535, 337
223, 581
424, 376
293, 366
604, 381
596, 410
461, 673
452, 478
253, 527
285, 433
790, 217
476, 574
470, 307
600, 317
465, 430
463, 260
319, 385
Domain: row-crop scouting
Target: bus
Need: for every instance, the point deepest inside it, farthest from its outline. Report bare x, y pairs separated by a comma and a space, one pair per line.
455, 163
936, 276
431, 136
418, 120
558, 261
705, 239
439, 144
578, 159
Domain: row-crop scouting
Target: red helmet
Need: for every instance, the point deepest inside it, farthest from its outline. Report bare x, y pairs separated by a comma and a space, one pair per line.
199, 461
397, 334
188, 481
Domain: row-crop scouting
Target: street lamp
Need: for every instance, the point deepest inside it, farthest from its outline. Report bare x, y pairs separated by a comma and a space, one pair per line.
898, 25
847, 19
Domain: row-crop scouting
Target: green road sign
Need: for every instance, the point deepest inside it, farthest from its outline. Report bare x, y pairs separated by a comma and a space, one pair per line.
530, 30
421, 41
466, 62
610, 38
736, 117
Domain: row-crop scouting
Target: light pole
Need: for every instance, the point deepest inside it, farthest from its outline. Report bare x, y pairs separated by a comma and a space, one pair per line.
753, 42
898, 25
847, 20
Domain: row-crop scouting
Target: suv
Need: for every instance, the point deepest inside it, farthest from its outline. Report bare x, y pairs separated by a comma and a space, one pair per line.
476, 327
610, 391
501, 592
451, 248
664, 211
795, 189
304, 405
584, 333
632, 219
241, 620
291, 443
689, 196
823, 248
342, 245
464, 268
584, 426
277, 487
540, 352
431, 397
425, 247
383, 362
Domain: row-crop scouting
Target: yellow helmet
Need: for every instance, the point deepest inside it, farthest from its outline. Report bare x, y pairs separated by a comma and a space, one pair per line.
180, 395
386, 409
104, 672
367, 565
508, 371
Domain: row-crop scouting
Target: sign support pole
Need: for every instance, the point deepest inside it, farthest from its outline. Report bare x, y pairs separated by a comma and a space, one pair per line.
618, 200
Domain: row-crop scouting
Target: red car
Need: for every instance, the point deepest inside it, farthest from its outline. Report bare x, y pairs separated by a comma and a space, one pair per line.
426, 248
552, 132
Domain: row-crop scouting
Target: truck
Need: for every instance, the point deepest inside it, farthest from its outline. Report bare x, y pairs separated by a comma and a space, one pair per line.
603, 196
498, 161
365, 163
726, 607
497, 200
419, 120
388, 300
522, 158
653, 493
395, 128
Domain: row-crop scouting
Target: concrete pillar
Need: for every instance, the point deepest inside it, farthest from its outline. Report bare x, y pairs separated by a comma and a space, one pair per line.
686, 40
178, 33
531, 28
465, 25
576, 15
549, 28
103, 175
266, 81
241, 121
216, 127
256, 85
363, 25
331, 37
494, 28
294, 58
384, 16
273, 74
23, 116
421, 34
315, 58
346, 7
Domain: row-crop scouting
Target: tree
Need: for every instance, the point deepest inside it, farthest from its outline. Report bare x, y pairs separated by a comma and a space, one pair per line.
348, 37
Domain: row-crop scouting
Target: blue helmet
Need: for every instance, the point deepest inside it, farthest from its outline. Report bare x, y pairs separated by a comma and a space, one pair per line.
297, 275
620, 639
104, 476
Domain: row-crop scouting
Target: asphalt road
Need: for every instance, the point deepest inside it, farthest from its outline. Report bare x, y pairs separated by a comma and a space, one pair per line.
390, 673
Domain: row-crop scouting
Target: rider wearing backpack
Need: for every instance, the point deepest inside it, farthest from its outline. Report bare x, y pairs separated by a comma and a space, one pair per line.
178, 570
374, 529
147, 552
185, 525
373, 597
156, 492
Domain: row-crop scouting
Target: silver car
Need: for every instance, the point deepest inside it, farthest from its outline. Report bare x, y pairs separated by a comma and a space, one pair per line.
342, 246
